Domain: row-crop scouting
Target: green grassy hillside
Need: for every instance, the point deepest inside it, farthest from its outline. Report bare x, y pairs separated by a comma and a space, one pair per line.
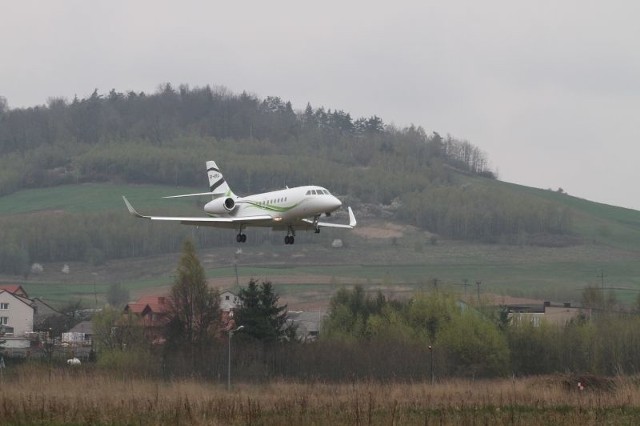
93, 197
606, 240
593, 222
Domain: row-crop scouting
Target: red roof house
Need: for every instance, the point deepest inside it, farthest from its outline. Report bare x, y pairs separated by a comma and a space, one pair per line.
15, 289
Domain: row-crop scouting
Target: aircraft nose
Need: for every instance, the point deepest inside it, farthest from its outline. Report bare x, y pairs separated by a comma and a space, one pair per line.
337, 203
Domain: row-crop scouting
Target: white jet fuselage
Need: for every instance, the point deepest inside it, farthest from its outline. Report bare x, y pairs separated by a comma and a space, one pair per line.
284, 206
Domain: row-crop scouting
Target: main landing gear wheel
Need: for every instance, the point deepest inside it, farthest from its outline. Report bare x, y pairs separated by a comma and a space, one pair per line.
241, 238
289, 239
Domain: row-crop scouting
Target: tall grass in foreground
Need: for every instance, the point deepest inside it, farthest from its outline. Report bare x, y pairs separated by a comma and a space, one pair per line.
82, 397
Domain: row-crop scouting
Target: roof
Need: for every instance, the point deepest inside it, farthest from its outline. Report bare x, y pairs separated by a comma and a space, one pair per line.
154, 304
14, 289
307, 322
85, 327
135, 308
43, 308
157, 304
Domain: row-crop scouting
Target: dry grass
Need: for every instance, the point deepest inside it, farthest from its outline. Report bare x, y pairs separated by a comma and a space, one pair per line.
84, 397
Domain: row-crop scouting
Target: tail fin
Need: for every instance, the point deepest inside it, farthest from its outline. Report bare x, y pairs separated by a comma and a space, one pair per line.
217, 184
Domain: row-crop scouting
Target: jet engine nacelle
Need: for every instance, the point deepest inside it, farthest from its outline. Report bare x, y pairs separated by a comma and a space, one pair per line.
221, 206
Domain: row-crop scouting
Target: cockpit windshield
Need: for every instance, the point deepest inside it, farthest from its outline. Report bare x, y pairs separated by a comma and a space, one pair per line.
318, 191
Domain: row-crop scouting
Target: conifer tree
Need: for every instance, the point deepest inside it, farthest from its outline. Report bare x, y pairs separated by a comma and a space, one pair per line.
260, 314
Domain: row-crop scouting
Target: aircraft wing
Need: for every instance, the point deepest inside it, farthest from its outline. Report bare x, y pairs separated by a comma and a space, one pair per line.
351, 225
221, 222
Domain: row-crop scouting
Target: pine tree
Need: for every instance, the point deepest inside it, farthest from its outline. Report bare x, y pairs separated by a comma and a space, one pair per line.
260, 314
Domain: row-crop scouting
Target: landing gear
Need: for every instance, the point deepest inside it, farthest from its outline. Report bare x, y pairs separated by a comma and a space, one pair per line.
290, 238
241, 238
315, 224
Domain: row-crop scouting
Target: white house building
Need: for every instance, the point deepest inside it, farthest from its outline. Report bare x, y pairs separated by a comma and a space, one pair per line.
229, 301
16, 316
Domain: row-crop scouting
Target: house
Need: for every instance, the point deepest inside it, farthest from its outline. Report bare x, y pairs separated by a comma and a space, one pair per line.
153, 313
16, 316
307, 324
152, 309
558, 314
229, 301
15, 289
80, 334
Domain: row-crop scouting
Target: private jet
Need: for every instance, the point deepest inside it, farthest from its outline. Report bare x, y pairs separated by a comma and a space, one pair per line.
289, 209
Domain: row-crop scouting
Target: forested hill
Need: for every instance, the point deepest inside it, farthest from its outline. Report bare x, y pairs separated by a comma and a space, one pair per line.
261, 144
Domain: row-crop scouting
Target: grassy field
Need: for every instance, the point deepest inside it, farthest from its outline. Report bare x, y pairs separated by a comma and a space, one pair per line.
310, 271
82, 396
610, 225
93, 197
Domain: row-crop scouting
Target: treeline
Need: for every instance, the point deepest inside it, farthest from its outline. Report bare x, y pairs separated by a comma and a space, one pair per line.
169, 114
471, 341
163, 137
432, 335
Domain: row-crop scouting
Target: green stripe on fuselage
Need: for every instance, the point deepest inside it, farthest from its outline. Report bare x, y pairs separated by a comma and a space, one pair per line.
271, 207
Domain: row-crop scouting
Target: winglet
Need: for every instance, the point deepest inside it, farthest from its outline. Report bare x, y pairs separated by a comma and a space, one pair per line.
352, 218
130, 208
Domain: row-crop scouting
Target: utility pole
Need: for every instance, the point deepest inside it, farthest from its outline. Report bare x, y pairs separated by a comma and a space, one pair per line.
431, 362
229, 359
604, 299
478, 284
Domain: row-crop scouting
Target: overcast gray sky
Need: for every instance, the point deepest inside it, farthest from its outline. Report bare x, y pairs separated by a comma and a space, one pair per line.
550, 90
